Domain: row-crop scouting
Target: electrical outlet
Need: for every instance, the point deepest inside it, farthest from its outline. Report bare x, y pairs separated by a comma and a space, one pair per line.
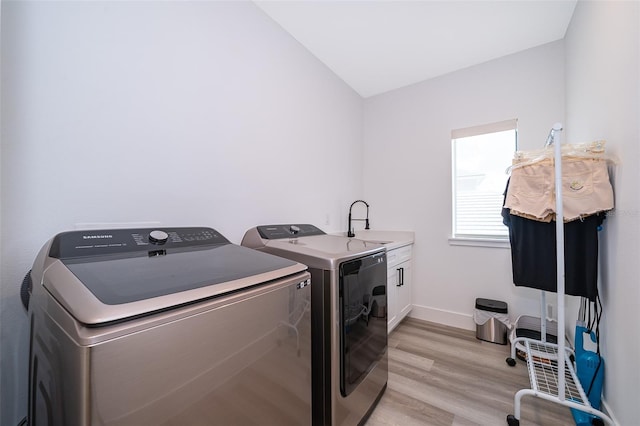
327, 219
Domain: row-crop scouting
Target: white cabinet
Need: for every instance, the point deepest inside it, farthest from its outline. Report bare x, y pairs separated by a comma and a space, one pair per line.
398, 285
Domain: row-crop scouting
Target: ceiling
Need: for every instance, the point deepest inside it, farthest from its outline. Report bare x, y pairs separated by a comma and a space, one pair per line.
376, 46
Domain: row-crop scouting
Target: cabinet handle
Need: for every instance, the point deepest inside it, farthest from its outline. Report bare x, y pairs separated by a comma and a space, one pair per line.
399, 277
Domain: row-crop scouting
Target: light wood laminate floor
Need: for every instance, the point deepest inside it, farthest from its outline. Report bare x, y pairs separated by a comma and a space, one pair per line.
444, 376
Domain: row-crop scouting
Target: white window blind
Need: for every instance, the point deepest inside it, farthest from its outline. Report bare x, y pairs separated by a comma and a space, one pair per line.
480, 157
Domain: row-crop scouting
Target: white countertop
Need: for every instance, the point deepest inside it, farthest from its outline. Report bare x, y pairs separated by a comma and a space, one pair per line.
390, 239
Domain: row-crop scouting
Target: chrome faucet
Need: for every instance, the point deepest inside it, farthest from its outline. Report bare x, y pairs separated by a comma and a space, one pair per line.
350, 232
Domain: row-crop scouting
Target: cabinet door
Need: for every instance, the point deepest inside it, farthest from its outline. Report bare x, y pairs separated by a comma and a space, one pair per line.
398, 285
392, 298
403, 297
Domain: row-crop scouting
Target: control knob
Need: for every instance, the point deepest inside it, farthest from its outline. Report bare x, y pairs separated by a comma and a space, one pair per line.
158, 237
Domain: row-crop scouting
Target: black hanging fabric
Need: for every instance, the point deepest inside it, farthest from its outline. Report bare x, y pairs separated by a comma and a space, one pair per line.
533, 253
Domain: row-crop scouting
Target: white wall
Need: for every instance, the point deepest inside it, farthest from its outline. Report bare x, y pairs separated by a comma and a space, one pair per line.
183, 113
209, 114
603, 102
407, 172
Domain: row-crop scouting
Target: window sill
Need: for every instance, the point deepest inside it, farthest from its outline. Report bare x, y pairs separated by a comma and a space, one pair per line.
479, 242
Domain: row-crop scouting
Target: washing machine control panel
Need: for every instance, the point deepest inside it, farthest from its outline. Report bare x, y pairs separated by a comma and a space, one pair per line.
76, 244
274, 232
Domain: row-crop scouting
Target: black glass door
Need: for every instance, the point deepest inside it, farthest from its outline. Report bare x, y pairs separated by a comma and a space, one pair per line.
363, 318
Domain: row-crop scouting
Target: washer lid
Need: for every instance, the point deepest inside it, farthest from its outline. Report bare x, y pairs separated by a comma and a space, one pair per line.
98, 288
323, 251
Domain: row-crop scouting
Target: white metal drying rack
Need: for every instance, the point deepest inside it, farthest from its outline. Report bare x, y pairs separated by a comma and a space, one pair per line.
551, 372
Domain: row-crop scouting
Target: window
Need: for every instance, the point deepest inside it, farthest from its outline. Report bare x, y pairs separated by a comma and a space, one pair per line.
481, 156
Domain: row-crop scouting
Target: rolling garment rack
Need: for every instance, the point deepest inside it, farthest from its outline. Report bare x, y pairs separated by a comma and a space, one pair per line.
551, 371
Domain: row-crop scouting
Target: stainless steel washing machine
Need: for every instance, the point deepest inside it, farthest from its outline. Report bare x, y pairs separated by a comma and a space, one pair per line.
167, 327
349, 316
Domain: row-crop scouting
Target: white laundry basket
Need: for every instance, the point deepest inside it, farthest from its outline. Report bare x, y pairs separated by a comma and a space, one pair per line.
529, 326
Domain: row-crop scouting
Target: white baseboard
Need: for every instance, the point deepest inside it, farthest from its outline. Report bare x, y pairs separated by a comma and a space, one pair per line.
441, 316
